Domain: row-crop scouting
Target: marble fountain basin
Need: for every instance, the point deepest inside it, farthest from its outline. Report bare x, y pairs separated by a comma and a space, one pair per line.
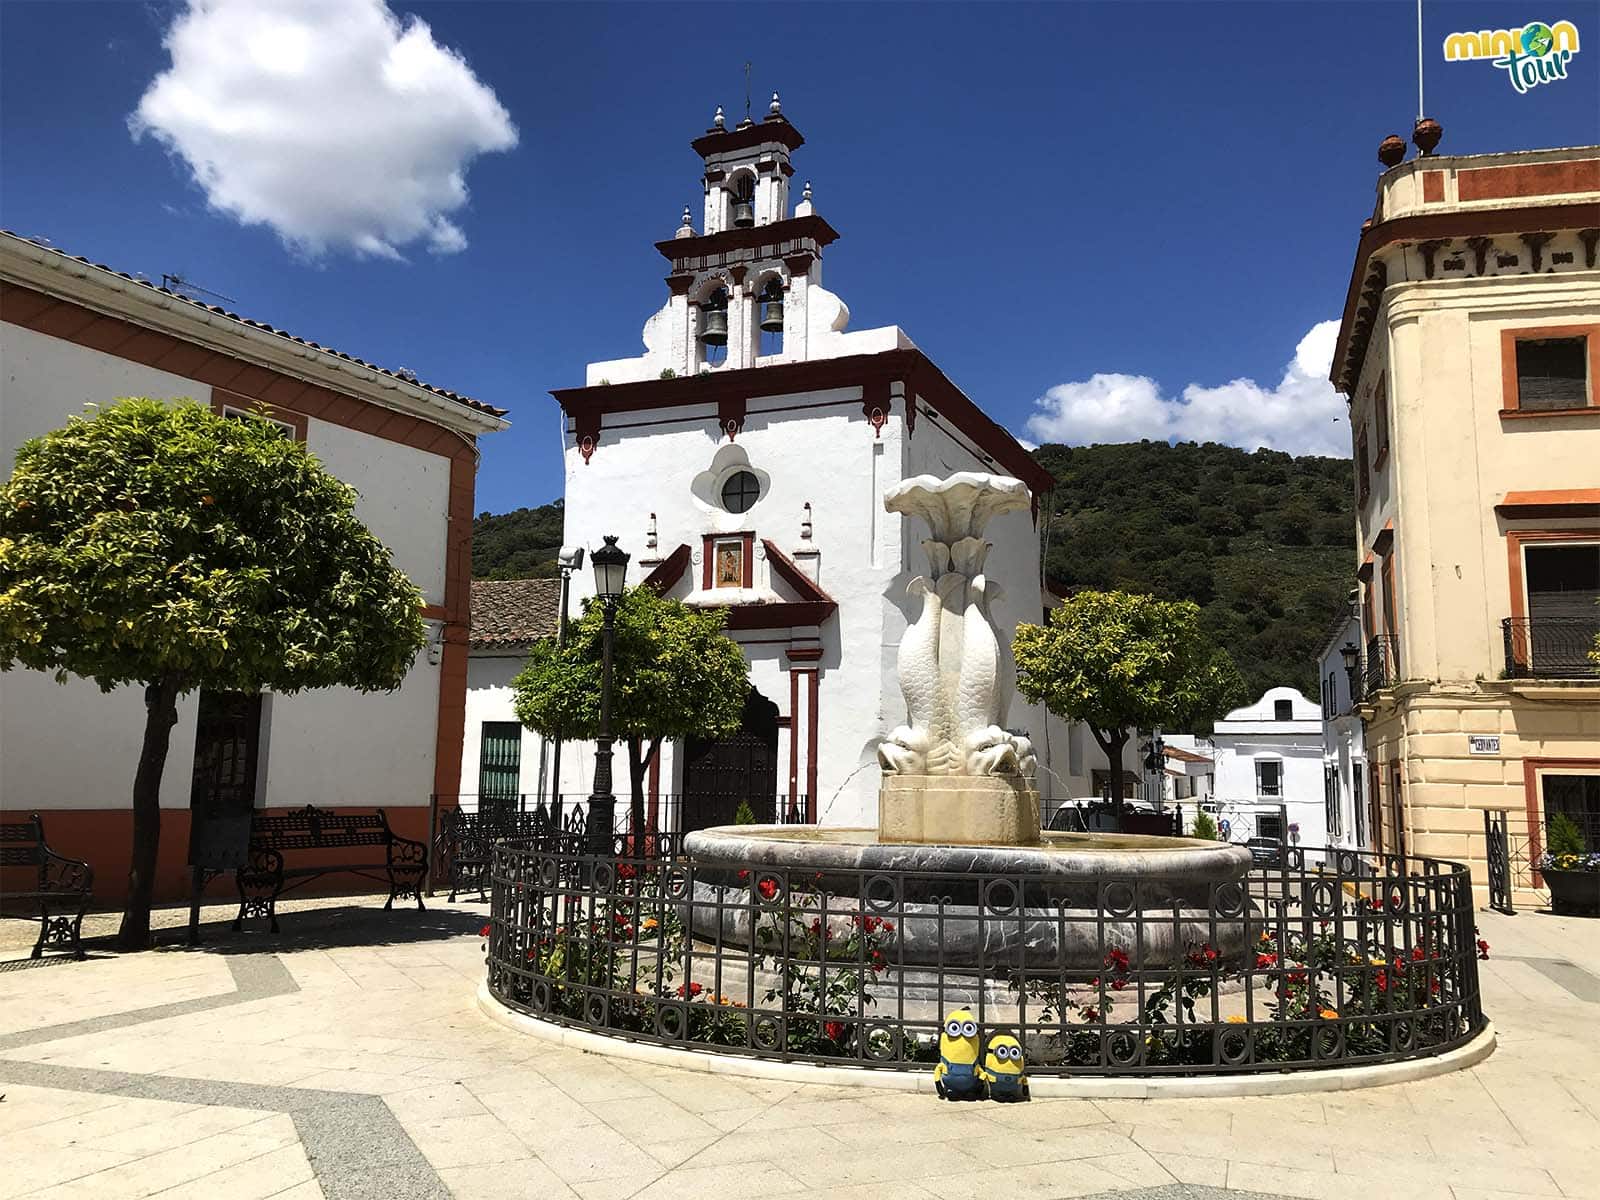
1058, 905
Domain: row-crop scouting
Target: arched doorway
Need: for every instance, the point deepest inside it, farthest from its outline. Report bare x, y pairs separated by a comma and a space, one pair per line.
719, 773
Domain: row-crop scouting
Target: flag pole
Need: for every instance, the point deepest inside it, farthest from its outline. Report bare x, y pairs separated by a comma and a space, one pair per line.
1421, 111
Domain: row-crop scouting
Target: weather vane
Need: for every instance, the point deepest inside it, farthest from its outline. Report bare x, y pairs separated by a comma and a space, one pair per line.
746, 91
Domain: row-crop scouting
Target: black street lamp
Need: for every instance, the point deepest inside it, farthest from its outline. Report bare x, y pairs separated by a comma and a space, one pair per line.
1350, 654
610, 570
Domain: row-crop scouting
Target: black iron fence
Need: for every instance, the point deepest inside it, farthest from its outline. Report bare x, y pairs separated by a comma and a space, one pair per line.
1551, 648
1365, 959
1380, 666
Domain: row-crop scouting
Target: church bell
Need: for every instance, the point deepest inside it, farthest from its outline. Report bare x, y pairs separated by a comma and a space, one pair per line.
772, 316
744, 214
714, 327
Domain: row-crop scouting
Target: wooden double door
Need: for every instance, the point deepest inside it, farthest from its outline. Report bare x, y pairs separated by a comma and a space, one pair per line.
720, 773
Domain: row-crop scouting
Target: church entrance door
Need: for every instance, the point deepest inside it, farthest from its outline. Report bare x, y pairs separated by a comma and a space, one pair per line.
718, 774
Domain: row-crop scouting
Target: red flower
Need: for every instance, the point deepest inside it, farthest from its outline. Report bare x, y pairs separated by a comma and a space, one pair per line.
1117, 959
1483, 948
1434, 987
693, 990
1297, 976
1091, 1013
484, 932
816, 925
1266, 960
834, 1030
626, 871
743, 875
888, 927
1416, 954
768, 888
1383, 981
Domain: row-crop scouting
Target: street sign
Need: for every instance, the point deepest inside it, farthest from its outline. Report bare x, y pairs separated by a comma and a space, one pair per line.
1483, 743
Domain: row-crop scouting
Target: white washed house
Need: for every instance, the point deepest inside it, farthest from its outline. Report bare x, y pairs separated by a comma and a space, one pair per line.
73, 333
1268, 758
742, 460
1344, 750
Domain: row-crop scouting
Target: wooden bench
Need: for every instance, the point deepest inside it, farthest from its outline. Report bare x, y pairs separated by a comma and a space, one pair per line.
265, 876
59, 887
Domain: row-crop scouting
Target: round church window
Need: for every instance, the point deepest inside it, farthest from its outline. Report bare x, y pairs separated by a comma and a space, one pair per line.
740, 492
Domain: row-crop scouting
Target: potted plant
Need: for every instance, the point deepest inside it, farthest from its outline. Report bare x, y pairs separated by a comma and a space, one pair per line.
1570, 870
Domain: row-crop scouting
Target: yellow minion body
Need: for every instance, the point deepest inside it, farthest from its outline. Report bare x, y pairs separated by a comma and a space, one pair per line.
958, 1074
1002, 1069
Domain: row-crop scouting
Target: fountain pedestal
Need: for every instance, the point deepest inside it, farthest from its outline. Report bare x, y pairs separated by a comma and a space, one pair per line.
958, 810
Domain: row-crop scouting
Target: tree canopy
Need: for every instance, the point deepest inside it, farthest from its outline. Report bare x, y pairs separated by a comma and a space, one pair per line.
167, 545
674, 675
1118, 661
522, 544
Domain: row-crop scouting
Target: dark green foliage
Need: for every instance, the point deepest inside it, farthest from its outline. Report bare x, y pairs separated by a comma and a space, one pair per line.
517, 545
744, 814
1204, 827
1564, 836
1261, 541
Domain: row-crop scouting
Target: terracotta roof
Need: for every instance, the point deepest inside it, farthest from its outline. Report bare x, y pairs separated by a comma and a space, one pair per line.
403, 376
514, 612
1185, 755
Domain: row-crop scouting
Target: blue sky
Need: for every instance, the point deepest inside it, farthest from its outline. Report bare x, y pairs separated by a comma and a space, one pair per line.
1099, 204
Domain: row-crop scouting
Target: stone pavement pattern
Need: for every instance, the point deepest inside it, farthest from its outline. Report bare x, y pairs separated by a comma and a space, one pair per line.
346, 1058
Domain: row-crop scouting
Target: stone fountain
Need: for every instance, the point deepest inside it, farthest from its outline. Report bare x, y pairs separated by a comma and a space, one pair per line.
958, 808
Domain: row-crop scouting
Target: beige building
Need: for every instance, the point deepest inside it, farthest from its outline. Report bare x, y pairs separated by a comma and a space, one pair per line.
1470, 353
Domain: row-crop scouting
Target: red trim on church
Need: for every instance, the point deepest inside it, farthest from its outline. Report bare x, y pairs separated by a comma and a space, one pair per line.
923, 381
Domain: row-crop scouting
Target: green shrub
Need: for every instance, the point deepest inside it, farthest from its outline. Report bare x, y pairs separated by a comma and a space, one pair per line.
1564, 836
744, 814
1204, 827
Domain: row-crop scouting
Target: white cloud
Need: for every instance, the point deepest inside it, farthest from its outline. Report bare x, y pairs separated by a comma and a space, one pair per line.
332, 121
1301, 415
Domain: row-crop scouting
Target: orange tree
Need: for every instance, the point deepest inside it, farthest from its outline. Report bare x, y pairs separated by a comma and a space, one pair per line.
167, 546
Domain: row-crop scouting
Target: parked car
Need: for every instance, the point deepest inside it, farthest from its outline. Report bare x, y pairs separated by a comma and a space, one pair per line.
1265, 851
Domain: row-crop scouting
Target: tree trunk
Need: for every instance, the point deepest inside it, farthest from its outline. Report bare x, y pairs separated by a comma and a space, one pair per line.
1114, 742
161, 714
638, 763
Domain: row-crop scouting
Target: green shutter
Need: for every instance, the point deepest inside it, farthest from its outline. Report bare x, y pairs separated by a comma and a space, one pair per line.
499, 761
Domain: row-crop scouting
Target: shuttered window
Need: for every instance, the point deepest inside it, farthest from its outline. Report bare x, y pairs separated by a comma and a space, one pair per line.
1564, 583
499, 761
1552, 373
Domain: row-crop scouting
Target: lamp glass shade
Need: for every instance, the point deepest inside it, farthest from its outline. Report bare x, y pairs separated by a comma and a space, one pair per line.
1348, 652
610, 569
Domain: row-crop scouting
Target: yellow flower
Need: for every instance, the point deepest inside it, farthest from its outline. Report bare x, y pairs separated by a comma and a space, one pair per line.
1236, 1019
650, 923
1329, 1014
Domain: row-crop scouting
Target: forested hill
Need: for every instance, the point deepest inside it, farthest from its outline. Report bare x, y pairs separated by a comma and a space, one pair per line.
517, 545
1261, 541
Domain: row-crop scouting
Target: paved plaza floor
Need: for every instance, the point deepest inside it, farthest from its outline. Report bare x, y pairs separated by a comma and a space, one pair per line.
346, 1058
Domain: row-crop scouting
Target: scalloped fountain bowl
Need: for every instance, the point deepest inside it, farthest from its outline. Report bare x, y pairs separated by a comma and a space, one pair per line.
1060, 903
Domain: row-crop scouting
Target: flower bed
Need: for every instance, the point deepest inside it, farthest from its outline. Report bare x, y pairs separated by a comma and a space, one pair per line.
1372, 962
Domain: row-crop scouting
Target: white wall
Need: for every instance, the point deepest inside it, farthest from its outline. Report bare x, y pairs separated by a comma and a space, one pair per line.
1251, 734
490, 698
405, 497
70, 746
1343, 740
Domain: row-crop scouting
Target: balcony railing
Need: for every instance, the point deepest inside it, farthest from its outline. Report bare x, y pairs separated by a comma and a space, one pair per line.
1551, 647
1381, 666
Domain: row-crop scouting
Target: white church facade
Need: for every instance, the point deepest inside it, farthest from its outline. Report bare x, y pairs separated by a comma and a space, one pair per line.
742, 460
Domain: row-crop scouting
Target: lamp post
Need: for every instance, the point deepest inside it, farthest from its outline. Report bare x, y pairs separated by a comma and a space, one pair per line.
610, 569
570, 559
1350, 654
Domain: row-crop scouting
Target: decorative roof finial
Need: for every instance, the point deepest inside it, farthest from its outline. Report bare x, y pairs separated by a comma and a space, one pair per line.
806, 193
686, 226
775, 109
1425, 137
718, 121
687, 220
1392, 150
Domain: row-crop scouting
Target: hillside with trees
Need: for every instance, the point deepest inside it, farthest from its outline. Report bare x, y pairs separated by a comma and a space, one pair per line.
517, 545
1261, 541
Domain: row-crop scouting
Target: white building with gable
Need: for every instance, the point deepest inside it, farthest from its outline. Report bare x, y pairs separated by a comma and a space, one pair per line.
742, 460
1268, 770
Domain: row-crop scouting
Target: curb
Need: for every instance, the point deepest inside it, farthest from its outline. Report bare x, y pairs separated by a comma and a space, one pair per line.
1283, 1083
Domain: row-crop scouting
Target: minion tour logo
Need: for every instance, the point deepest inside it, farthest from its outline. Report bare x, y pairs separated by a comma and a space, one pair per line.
1537, 53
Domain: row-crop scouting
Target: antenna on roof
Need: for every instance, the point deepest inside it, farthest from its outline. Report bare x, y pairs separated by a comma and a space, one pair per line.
181, 286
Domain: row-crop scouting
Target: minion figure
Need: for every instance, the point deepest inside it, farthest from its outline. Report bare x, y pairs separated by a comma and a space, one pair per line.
959, 1075
1002, 1069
